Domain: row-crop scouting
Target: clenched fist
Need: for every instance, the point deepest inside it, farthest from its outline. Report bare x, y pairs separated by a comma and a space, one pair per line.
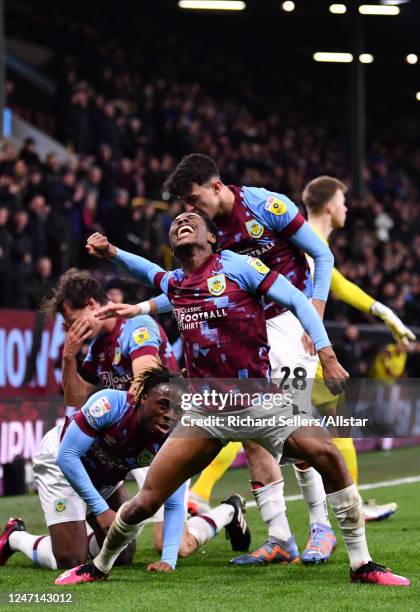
98, 246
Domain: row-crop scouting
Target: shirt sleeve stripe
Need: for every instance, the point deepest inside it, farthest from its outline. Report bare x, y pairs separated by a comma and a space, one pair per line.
145, 350
269, 280
293, 227
81, 421
158, 279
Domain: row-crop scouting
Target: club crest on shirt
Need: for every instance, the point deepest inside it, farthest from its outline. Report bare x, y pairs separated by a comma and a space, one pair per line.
60, 505
140, 335
145, 458
100, 407
258, 265
275, 205
254, 229
117, 355
216, 284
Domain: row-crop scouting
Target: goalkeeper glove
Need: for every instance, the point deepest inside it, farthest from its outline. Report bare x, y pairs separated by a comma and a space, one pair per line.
400, 332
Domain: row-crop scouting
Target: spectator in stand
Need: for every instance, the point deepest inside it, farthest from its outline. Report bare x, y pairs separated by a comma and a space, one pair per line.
38, 219
115, 291
29, 154
21, 259
6, 242
352, 353
118, 220
41, 283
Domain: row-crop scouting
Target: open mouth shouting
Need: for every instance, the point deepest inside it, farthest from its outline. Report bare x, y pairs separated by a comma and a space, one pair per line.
184, 230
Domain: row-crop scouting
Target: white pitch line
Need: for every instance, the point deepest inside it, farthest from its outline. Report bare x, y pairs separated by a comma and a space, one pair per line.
363, 487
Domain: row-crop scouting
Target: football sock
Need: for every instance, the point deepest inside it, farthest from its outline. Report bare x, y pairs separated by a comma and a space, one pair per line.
204, 485
206, 526
119, 535
270, 501
37, 548
348, 451
348, 508
312, 489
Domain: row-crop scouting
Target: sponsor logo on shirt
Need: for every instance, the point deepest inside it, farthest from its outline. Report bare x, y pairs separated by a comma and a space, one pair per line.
100, 407
114, 381
217, 284
141, 335
192, 317
254, 228
258, 265
275, 205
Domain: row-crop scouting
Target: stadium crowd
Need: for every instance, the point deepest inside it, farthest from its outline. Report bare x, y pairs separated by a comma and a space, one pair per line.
128, 125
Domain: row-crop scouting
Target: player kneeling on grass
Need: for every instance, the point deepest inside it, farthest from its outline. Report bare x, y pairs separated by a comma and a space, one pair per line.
113, 433
186, 451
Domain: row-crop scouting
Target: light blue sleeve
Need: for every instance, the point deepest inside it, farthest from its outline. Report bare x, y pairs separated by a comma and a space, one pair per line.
248, 272
104, 408
306, 239
283, 292
140, 268
173, 526
274, 210
162, 303
75, 445
141, 332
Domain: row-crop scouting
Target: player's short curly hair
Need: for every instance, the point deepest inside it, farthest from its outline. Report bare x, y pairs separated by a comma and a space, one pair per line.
75, 288
144, 382
194, 168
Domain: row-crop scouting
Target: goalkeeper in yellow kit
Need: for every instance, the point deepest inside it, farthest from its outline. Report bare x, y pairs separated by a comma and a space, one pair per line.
324, 199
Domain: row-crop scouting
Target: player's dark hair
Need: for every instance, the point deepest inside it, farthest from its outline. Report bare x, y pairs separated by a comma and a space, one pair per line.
319, 191
213, 229
144, 382
194, 168
76, 288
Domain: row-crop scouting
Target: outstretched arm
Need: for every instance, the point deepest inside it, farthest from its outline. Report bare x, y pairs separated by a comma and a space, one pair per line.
138, 267
253, 275
351, 294
157, 305
74, 445
173, 526
283, 292
306, 239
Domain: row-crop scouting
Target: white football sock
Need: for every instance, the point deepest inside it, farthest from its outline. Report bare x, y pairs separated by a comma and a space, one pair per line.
119, 536
36, 548
206, 526
348, 508
312, 489
270, 501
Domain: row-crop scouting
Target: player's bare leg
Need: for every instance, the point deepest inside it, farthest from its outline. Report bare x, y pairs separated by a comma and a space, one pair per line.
315, 447
66, 544
178, 460
267, 485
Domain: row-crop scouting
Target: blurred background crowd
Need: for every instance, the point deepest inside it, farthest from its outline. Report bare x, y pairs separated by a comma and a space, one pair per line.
127, 121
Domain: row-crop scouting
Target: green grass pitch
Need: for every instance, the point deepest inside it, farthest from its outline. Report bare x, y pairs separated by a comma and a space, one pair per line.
206, 582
